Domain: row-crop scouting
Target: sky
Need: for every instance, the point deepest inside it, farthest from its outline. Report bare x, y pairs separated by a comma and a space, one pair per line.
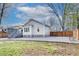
20, 13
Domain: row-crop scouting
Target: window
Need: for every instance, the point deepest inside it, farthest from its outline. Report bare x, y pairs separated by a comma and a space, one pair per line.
26, 29
32, 25
38, 30
21, 30
4, 29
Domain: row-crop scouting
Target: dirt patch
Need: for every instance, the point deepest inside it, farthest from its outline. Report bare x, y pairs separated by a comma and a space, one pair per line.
61, 49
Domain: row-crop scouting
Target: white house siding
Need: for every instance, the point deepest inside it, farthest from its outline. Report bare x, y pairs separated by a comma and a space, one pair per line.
43, 30
27, 33
47, 31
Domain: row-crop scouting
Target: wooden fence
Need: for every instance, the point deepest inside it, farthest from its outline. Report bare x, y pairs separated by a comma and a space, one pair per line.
63, 33
3, 35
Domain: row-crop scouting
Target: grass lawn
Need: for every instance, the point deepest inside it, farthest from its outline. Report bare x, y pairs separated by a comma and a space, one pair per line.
22, 48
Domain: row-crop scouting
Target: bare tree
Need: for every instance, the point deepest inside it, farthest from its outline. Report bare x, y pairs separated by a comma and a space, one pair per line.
68, 10
3, 9
56, 12
50, 22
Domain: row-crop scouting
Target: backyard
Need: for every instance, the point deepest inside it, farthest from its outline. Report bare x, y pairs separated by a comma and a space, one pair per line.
34, 48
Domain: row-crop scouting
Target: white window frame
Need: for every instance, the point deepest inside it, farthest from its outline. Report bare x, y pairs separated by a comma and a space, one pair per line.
26, 29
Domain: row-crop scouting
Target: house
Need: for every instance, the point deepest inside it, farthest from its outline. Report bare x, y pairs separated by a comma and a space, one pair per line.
14, 31
32, 28
35, 28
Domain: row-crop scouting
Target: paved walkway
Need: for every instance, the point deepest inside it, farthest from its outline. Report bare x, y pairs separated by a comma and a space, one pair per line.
50, 39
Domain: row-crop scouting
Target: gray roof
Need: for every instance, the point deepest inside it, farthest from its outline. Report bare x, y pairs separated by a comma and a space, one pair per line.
36, 22
19, 26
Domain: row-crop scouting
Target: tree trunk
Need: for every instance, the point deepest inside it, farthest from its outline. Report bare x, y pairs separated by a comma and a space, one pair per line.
2, 12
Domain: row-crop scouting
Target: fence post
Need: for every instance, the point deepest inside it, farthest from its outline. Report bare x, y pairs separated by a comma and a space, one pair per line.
76, 34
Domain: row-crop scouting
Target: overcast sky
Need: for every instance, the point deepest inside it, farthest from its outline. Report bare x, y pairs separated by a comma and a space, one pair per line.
20, 13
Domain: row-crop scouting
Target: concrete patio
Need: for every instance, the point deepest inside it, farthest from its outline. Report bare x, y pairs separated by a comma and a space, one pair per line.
49, 39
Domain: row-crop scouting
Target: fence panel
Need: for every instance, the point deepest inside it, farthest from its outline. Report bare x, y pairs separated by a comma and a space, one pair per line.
3, 34
63, 33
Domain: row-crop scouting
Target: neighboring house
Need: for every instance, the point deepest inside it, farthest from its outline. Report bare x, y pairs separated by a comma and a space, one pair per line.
13, 31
